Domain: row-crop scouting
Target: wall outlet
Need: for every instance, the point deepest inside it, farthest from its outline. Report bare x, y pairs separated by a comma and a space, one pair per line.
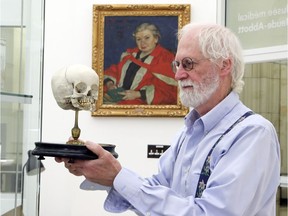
155, 151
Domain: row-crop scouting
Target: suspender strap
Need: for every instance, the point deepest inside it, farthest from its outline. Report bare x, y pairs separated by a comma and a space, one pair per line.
205, 172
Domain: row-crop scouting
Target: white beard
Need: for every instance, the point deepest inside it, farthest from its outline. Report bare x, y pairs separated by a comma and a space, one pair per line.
201, 92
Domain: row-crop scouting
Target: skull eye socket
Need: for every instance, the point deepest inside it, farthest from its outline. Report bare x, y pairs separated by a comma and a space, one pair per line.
80, 87
93, 91
94, 87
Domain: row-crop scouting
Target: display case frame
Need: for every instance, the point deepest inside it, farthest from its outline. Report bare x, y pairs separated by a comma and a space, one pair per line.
22, 45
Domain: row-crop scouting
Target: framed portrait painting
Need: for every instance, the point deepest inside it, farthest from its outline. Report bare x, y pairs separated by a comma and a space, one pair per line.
133, 48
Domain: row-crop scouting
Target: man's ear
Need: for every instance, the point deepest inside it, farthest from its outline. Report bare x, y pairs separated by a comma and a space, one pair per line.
226, 67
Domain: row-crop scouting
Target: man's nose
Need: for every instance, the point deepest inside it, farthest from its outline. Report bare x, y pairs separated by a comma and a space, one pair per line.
181, 74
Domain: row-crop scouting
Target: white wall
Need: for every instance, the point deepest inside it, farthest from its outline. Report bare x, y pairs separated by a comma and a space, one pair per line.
68, 40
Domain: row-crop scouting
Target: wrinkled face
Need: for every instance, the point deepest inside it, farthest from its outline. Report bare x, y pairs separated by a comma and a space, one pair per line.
76, 87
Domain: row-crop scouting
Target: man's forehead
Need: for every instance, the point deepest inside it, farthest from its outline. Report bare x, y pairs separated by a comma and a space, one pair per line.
188, 47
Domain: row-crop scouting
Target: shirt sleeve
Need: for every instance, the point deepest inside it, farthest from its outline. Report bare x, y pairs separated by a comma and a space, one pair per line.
132, 192
115, 202
147, 198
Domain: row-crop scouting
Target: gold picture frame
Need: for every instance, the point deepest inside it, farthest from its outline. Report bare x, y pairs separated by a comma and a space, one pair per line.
118, 21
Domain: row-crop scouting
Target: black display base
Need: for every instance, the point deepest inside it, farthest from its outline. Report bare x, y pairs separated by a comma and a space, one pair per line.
80, 152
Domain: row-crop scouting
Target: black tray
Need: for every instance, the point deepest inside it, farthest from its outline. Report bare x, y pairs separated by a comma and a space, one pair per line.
68, 151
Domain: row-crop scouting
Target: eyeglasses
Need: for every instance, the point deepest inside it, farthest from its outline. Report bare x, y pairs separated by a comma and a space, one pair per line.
187, 64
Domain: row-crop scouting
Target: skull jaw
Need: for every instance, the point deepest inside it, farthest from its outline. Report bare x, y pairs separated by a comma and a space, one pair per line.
84, 102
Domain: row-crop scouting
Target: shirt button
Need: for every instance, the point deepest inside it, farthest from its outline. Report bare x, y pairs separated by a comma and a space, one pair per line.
148, 213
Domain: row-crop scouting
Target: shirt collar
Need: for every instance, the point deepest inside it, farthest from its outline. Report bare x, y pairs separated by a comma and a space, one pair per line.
215, 115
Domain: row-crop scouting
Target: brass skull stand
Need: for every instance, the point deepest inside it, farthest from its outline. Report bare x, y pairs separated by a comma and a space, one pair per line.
75, 131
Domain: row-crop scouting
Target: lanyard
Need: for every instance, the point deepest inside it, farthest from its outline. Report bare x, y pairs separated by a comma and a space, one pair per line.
205, 172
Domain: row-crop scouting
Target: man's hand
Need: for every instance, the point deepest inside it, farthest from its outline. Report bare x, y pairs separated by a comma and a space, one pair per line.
102, 170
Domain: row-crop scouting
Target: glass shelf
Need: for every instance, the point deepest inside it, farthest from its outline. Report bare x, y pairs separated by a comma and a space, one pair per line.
15, 98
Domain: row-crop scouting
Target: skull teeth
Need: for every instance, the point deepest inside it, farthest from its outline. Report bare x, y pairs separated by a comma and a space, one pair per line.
83, 102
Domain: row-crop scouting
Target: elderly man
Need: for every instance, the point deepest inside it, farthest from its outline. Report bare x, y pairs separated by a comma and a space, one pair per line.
224, 161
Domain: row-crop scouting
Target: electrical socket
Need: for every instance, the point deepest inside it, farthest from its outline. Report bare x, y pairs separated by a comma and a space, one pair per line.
155, 151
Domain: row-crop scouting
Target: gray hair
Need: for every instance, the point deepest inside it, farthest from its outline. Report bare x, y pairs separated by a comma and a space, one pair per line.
219, 43
144, 26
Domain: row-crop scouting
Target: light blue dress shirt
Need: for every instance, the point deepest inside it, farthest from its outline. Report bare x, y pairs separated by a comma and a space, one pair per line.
245, 169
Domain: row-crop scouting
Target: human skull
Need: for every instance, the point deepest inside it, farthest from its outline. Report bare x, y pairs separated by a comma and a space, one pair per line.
75, 87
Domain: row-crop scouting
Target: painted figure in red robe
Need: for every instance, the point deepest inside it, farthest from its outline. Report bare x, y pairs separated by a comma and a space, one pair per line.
144, 74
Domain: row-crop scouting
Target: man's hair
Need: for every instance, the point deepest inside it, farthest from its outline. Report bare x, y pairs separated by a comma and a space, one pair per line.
218, 43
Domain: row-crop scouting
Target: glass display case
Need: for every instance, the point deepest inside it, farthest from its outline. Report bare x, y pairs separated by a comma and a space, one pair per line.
21, 40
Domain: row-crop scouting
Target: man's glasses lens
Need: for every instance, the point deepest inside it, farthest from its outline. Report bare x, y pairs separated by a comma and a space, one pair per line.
187, 64
175, 66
